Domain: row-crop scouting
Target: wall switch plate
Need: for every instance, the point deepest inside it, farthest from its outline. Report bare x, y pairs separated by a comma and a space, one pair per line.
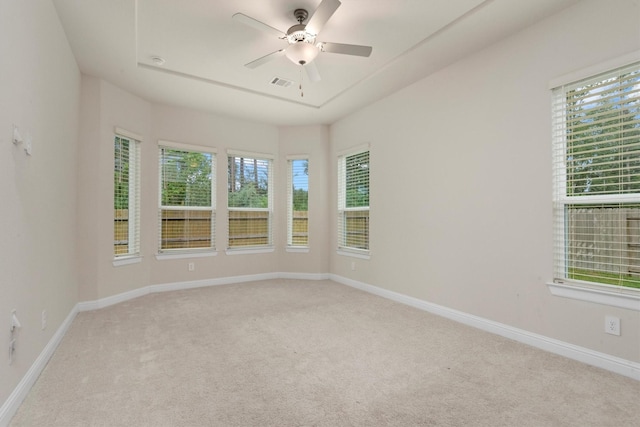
15, 323
612, 325
28, 145
192, 266
17, 138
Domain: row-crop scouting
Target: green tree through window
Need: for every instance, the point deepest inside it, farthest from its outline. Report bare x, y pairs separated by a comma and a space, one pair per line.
187, 204
298, 202
353, 201
597, 179
126, 198
249, 201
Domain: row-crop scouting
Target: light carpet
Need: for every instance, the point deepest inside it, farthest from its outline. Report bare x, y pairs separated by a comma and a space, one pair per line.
308, 353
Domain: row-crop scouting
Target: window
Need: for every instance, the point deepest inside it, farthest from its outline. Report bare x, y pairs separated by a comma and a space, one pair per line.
298, 202
596, 163
250, 200
187, 198
353, 201
126, 197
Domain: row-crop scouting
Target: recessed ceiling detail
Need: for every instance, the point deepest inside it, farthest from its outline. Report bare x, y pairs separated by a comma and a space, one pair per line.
208, 42
206, 50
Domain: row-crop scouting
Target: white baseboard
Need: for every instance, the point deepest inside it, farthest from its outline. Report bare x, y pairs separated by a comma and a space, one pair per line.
112, 300
176, 286
11, 405
304, 276
601, 360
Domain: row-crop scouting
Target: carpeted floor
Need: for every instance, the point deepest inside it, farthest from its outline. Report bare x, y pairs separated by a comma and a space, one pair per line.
308, 353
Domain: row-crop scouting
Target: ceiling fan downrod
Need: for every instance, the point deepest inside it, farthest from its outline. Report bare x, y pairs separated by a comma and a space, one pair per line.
301, 15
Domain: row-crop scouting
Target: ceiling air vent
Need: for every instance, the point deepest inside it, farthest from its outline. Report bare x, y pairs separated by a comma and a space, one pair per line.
277, 81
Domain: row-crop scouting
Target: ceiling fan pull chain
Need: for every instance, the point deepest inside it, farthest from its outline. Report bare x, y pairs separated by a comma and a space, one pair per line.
301, 77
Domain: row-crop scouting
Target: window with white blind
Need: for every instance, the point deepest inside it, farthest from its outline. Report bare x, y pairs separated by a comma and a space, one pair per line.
126, 197
187, 198
596, 167
298, 202
250, 200
353, 202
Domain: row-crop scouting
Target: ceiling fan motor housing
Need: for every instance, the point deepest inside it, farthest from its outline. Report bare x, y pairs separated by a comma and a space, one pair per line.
297, 34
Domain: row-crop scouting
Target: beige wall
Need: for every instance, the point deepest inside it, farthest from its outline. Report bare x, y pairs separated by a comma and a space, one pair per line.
312, 141
39, 92
464, 156
105, 107
197, 128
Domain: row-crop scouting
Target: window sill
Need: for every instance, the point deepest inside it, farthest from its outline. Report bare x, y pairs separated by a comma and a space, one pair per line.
126, 260
298, 249
184, 255
354, 253
249, 251
600, 294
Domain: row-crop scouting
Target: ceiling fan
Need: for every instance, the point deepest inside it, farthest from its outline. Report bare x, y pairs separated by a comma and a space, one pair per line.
302, 38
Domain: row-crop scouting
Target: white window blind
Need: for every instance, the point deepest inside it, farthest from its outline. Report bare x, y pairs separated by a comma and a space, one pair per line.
250, 200
353, 201
126, 200
187, 198
298, 202
596, 166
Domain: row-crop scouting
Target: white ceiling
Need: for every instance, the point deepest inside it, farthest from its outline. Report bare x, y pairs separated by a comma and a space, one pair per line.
205, 50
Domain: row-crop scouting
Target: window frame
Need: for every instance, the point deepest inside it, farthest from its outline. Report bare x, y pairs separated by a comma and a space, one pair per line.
562, 285
342, 246
291, 247
133, 254
256, 248
170, 253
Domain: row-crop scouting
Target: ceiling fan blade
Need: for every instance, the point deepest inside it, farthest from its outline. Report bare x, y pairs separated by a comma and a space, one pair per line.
263, 60
345, 49
321, 16
247, 20
312, 72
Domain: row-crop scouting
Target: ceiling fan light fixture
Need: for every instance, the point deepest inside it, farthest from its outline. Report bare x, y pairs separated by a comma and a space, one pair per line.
301, 53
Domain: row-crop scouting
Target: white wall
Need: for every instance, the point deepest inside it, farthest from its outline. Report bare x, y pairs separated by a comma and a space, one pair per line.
39, 92
461, 180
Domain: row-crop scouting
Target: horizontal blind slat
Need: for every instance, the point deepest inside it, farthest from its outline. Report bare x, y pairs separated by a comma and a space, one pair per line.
596, 170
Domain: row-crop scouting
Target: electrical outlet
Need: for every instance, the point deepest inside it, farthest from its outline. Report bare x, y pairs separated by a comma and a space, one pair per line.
43, 320
612, 325
192, 266
353, 266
